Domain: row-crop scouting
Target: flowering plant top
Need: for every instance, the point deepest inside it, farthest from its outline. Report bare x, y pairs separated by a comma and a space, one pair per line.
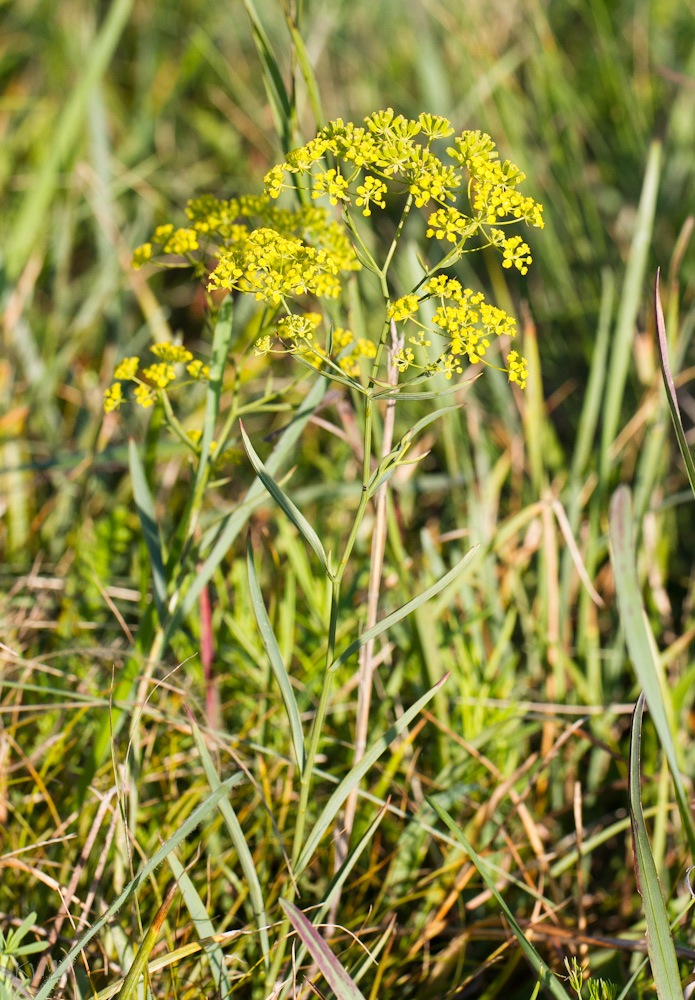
290, 259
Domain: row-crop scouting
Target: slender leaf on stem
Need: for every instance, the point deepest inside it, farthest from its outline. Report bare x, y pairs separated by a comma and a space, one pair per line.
283, 501
355, 775
548, 980
186, 828
662, 954
640, 641
406, 609
669, 384
236, 520
237, 834
276, 662
150, 528
331, 969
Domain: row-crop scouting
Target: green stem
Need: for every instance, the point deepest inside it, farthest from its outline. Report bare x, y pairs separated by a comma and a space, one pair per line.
399, 231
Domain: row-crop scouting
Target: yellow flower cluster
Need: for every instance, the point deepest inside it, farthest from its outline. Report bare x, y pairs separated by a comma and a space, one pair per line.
466, 320
494, 183
295, 334
167, 240
253, 245
393, 150
156, 376
274, 268
273, 253
386, 147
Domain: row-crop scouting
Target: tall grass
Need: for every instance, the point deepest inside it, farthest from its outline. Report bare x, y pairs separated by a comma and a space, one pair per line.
111, 118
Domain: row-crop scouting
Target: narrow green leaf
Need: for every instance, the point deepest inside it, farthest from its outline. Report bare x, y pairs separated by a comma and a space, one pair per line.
591, 407
205, 928
340, 877
405, 610
548, 980
237, 834
307, 72
331, 969
396, 457
354, 776
150, 529
669, 384
137, 969
630, 299
218, 363
31, 220
640, 641
186, 828
234, 523
283, 501
662, 954
278, 97
276, 662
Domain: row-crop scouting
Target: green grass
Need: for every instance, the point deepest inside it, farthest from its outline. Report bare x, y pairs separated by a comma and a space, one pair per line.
110, 121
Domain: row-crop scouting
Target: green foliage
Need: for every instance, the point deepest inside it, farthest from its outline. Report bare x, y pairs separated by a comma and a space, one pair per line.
152, 123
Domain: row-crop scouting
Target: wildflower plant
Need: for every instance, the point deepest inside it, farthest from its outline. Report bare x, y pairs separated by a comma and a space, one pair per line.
293, 258
294, 251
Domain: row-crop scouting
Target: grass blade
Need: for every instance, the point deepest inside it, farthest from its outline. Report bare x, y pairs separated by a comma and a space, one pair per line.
137, 969
279, 99
593, 393
640, 641
662, 954
240, 515
331, 969
354, 776
31, 221
186, 828
307, 72
669, 384
220, 349
405, 610
203, 925
237, 834
283, 501
276, 662
150, 529
629, 303
548, 980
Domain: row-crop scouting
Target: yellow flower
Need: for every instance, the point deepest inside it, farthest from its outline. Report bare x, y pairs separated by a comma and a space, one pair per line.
141, 255
161, 374
127, 369
517, 368
403, 308
332, 183
173, 353
144, 396
113, 397
371, 193
199, 371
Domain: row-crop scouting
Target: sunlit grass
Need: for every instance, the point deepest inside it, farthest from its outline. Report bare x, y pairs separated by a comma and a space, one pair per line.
526, 744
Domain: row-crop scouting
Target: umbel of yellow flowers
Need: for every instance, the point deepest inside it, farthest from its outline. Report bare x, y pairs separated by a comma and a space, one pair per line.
290, 259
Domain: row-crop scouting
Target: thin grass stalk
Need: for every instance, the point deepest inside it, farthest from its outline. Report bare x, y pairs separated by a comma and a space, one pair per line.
376, 565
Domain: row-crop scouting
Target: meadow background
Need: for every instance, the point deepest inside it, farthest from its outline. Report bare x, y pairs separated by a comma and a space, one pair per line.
111, 117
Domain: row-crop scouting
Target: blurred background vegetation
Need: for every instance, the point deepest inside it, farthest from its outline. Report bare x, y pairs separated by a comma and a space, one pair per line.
113, 115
